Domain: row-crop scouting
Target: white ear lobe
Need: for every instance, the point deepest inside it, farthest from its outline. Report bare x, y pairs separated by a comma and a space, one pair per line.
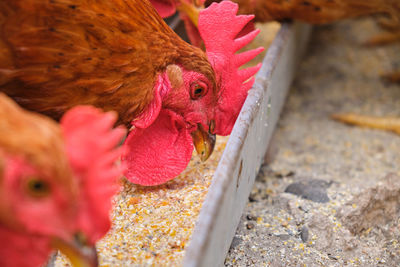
175, 76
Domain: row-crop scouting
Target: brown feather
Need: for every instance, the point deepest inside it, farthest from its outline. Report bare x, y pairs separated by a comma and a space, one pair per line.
316, 11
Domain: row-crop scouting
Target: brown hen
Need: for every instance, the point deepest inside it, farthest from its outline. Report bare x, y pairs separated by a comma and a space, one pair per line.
58, 54
315, 11
120, 55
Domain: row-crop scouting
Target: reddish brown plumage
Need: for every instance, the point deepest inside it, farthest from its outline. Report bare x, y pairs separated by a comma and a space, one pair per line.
314, 11
61, 53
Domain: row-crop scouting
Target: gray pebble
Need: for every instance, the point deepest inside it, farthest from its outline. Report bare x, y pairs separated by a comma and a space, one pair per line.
314, 190
304, 234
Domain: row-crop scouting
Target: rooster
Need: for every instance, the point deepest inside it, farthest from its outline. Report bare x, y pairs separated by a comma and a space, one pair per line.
120, 55
56, 183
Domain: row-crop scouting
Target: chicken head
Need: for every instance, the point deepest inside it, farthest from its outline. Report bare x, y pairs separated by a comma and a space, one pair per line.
49, 199
190, 105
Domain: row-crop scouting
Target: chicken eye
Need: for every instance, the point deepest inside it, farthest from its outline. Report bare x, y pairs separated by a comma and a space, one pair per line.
198, 90
37, 188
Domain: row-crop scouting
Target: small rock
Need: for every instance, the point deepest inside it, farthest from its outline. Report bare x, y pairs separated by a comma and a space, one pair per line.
251, 217
332, 257
235, 242
250, 225
304, 234
252, 198
314, 190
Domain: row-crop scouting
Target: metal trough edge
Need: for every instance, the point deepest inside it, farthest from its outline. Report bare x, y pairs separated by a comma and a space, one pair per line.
245, 150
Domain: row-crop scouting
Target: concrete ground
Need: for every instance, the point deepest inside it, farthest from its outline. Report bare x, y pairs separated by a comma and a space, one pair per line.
329, 194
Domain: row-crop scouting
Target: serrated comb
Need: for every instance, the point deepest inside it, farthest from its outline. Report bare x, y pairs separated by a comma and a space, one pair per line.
219, 27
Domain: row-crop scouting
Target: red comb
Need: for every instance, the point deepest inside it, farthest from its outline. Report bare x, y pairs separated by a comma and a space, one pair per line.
219, 27
91, 145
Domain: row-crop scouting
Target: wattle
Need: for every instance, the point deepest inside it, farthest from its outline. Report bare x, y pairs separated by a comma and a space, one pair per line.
158, 153
20, 250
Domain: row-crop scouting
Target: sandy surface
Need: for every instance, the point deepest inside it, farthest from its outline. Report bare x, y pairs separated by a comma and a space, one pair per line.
342, 205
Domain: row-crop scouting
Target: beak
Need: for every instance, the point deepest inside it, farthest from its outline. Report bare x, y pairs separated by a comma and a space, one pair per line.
190, 10
203, 141
77, 251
